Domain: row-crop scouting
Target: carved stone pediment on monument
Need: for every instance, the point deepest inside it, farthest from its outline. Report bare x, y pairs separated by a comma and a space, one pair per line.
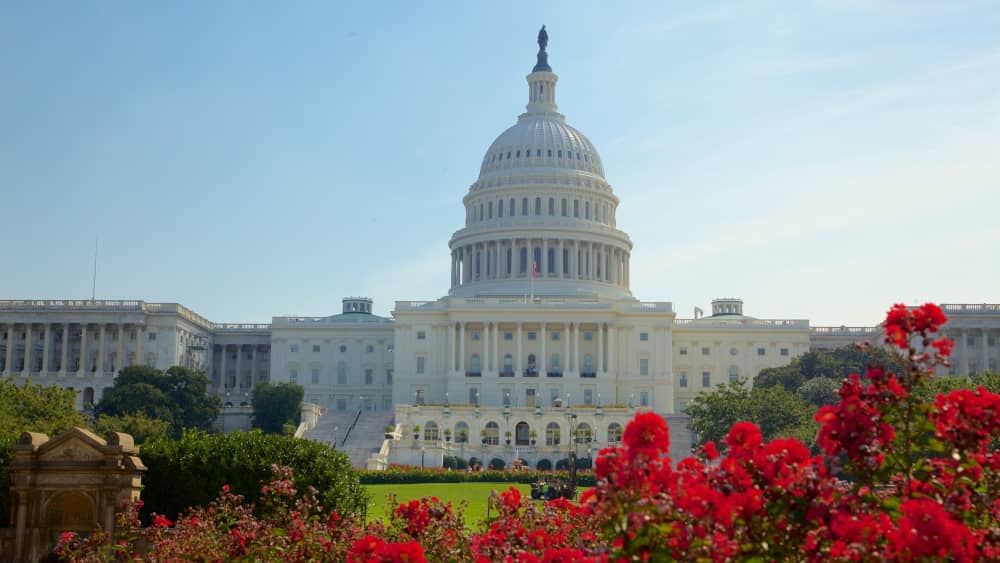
74, 445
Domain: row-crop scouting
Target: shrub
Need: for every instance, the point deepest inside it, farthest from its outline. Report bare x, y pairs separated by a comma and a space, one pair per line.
562, 465
497, 463
544, 465
475, 461
190, 471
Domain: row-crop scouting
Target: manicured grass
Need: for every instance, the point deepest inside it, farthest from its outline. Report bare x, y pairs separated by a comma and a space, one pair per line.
475, 493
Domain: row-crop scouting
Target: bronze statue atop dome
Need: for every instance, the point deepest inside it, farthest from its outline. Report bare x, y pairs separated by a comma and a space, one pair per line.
543, 58
543, 39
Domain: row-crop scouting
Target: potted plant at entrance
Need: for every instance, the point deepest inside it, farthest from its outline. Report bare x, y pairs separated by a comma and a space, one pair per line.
507, 435
447, 434
416, 432
389, 429
485, 436
534, 437
462, 436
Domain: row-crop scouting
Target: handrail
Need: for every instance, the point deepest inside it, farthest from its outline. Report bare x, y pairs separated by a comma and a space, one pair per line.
354, 422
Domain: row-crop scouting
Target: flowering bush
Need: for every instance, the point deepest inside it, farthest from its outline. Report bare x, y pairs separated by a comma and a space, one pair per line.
900, 478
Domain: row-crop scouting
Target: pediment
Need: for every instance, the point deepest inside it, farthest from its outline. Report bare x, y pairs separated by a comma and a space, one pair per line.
76, 444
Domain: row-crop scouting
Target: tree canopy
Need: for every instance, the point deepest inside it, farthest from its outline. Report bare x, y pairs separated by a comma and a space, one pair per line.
778, 412
177, 396
275, 405
831, 365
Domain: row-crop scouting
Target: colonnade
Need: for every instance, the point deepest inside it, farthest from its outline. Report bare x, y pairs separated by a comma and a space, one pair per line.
244, 379
55, 339
572, 361
980, 351
556, 258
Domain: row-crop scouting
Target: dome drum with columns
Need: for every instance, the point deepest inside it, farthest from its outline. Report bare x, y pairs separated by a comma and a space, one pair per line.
541, 205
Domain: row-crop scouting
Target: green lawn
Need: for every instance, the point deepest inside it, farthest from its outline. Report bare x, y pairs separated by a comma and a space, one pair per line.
475, 493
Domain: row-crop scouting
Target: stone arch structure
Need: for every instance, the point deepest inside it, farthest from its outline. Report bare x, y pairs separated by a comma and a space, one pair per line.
73, 482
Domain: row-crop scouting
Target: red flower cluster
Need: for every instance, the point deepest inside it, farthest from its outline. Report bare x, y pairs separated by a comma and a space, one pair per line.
968, 419
902, 323
370, 549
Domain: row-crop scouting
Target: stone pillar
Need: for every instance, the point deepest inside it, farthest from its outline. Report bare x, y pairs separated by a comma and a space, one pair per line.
140, 331
253, 365
46, 347
565, 339
452, 268
627, 275
120, 354
542, 365
223, 382
496, 347
485, 368
517, 367
576, 348
984, 352
963, 347
611, 349
600, 348
83, 350
101, 351
461, 348
543, 268
559, 259
64, 353
239, 360
28, 344
9, 360
497, 246
451, 347
592, 275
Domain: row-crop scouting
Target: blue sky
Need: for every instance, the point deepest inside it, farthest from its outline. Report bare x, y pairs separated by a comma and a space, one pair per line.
820, 160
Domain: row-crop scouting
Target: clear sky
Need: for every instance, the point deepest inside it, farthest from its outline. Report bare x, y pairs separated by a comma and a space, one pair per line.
821, 160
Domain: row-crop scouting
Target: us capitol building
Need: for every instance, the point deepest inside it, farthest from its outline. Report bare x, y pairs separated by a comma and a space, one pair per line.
539, 346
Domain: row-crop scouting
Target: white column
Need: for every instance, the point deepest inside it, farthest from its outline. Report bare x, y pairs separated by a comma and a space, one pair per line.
451, 347
101, 350
963, 346
83, 349
565, 358
542, 365
576, 348
628, 277
485, 367
611, 349
592, 275
496, 347
543, 267
496, 270
46, 347
9, 362
600, 348
559, 259
239, 361
517, 367
223, 379
140, 331
461, 348
984, 352
27, 348
120, 356
64, 355
253, 365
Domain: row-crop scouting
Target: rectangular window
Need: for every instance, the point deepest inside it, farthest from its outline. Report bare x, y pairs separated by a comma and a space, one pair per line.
315, 347
294, 348
684, 351
553, 396
421, 335
588, 396
706, 351
644, 366
683, 379
475, 335
508, 336
152, 336
761, 351
473, 396
643, 337
315, 376
293, 375
341, 404
784, 351
388, 377
706, 379
532, 336
369, 376
555, 336
370, 349
643, 398
420, 396
588, 336
420, 364
529, 398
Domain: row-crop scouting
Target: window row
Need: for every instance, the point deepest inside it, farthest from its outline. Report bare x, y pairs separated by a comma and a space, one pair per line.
597, 211
369, 348
342, 375
707, 351
706, 377
521, 435
515, 154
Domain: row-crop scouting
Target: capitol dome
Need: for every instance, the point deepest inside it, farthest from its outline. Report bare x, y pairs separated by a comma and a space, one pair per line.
540, 219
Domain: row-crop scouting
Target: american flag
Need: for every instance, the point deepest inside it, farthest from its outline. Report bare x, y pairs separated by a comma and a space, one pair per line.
534, 268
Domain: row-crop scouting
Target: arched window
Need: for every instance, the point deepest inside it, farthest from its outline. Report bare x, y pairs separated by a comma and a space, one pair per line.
512, 207
564, 207
734, 374
586, 210
341, 374
576, 208
431, 431
492, 433
588, 363
614, 433
538, 206
584, 433
552, 434
554, 366
522, 434
500, 208
531, 362
461, 433
550, 153
508, 365
538, 152
552, 206
474, 366
560, 153
518, 154
489, 210
524, 206
88, 396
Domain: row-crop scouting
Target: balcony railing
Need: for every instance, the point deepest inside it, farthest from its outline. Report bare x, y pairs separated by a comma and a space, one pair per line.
473, 374
506, 374
531, 372
554, 374
588, 374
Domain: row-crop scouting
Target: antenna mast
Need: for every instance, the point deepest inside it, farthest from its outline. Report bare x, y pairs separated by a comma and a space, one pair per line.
93, 287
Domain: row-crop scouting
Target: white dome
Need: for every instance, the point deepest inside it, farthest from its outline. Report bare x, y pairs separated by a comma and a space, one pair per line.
541, 141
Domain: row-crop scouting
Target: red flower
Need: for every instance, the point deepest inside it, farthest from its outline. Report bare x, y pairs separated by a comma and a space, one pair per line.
225, 488
944, 346
66, 537
370, 549
162, 522
647, 434
743, 439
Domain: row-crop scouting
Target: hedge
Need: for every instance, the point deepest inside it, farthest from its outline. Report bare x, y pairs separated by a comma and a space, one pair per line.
408, 475
191, 471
